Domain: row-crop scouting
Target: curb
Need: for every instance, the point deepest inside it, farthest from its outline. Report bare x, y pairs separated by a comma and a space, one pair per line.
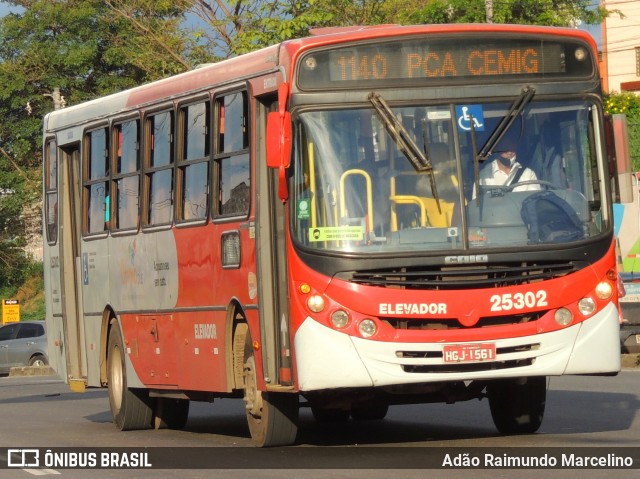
630, 361
32, 371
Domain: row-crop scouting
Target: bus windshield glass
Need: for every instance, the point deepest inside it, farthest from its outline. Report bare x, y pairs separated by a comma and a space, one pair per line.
357, 188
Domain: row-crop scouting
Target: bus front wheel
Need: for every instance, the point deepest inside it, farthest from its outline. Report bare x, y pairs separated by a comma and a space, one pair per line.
131, 408
272, 417
517, 405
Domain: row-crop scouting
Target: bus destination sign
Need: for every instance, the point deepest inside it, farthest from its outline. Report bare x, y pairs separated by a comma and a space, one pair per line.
439, 60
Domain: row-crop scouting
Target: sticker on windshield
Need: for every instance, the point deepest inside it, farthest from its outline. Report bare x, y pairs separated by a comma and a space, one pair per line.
337, 233
302, 209
468, 113
438, 115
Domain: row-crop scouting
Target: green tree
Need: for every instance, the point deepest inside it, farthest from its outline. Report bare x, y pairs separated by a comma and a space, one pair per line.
530, 12
84, 49
627, 103
228, 28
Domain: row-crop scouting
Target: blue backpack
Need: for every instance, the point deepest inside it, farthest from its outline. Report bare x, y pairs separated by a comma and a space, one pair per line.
550, 219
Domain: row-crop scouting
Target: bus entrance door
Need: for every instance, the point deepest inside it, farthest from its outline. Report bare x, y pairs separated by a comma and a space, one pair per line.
272, 268
72, 330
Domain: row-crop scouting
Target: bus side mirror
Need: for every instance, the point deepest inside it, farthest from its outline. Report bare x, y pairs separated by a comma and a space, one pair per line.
619, 159
279, 141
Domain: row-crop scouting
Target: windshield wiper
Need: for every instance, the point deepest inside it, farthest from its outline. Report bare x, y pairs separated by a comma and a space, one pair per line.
419, 159
487, 150
506, 122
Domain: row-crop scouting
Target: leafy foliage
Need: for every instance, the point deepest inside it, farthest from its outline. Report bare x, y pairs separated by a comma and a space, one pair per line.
84, 48
531, 12
228, 28
627, 103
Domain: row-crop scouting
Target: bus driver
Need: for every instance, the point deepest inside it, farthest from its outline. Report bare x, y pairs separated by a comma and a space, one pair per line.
504, 169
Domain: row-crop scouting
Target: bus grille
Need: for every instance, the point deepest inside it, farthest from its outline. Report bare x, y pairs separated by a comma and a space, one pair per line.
523, 348
460, 276
452, 323
468, 367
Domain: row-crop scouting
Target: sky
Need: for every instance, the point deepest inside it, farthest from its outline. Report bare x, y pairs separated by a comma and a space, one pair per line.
4, 9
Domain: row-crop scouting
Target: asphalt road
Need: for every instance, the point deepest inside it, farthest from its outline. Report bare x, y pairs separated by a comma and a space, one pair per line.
600, 412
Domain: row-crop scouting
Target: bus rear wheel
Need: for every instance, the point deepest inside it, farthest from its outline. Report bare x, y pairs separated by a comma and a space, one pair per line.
517, 405
131, 408
272, 417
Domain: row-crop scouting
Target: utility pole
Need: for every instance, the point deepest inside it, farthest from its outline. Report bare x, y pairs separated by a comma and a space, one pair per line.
488, 7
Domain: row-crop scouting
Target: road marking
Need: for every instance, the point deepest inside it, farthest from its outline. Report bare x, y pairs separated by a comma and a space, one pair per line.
41, 472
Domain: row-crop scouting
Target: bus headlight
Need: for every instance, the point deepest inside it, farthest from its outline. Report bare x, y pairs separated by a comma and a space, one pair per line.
586, 306
339, 319
367, 328
563, 317
604, 290
315, 303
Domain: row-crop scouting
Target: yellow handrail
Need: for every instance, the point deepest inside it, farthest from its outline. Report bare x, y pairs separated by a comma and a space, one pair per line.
312, 185
367, 178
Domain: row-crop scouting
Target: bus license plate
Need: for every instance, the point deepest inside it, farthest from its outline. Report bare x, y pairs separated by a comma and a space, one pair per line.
466, 353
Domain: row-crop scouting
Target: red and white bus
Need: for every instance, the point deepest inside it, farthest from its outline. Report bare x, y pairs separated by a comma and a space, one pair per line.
311, 224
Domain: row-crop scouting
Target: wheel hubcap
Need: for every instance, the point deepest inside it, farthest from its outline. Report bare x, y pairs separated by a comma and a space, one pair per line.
116, 377
252, 397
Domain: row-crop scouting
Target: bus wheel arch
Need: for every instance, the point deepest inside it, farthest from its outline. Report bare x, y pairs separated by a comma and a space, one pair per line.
108, 315
236, 329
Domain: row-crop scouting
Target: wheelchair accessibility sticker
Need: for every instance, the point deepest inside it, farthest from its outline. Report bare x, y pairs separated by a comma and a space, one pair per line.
468, 113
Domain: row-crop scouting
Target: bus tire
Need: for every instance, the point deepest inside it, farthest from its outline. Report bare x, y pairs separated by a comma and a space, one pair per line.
131, 408
324, 415
517, 405
272, 417
369, 412
171, 413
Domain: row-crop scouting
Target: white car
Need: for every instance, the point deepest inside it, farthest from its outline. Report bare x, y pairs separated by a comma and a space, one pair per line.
23, 344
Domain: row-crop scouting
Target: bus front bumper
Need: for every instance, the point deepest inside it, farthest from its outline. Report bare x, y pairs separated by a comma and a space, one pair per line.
328, 359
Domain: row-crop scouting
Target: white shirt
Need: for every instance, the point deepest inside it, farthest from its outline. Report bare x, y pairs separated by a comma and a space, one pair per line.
493, 175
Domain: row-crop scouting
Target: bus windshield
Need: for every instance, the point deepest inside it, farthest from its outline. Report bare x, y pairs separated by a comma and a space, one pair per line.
359, 188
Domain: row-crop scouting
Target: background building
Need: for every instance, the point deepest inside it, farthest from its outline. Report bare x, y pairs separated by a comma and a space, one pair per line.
621, 47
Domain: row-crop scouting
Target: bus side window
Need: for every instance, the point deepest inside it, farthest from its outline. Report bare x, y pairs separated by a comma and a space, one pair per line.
193, 161
159, 171
96, 182
232, 155
126, 181
51, 191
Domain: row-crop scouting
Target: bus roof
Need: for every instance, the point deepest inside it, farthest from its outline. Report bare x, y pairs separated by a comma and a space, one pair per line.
269, 59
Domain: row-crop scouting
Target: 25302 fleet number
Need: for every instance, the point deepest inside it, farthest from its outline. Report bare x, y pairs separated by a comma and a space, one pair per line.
508, 301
